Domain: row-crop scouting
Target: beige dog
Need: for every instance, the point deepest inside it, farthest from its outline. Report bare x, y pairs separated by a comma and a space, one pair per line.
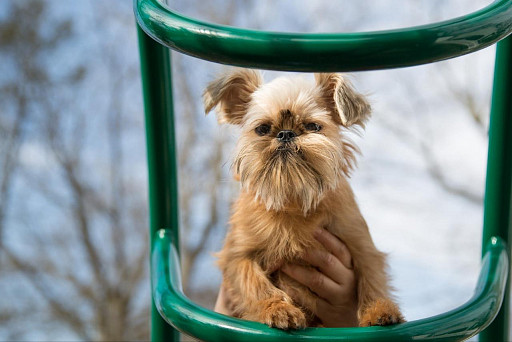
292, 160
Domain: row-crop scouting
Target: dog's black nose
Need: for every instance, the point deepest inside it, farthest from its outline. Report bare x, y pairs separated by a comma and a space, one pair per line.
286, 135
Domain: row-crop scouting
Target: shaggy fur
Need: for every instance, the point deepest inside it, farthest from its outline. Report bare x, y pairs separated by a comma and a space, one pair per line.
291, 188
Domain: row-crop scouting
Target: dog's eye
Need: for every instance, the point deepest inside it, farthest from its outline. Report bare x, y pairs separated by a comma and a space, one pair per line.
313, 127
263, 129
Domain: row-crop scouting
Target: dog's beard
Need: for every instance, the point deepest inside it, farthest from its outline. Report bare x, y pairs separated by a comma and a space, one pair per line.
293, 175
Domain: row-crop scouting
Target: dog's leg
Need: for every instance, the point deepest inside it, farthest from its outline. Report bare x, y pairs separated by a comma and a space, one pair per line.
375, 304
255, 298
382, 311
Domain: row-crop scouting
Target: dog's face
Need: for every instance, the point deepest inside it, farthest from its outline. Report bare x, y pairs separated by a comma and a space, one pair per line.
292, 149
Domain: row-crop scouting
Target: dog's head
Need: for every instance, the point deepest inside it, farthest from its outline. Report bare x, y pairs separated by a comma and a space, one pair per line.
292, 148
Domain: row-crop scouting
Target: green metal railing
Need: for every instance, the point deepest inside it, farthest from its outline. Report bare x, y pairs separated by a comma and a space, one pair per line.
161, 29
461, 323
325, 52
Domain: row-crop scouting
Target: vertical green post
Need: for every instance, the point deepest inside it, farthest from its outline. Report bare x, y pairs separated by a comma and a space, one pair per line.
161, 153
497, 213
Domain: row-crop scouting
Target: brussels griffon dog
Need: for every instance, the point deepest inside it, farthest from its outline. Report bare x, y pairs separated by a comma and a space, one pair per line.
293, 160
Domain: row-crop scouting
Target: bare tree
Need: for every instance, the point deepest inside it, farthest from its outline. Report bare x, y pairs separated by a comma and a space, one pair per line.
87, 268
86, 261
462, 84
454, 85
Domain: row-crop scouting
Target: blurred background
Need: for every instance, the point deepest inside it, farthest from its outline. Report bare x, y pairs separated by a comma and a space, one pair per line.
73, 178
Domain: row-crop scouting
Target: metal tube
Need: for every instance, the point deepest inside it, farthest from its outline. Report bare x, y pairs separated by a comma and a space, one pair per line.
161, 154
314, 52
497, 219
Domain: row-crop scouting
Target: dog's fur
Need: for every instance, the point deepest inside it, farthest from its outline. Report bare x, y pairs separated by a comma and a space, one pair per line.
288, 189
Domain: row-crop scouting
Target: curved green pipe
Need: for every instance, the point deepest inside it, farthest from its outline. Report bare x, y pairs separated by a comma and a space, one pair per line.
458, 324
326, 51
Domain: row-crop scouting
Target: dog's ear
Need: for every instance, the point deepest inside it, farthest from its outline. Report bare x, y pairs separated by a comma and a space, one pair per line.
232, 93
348, 107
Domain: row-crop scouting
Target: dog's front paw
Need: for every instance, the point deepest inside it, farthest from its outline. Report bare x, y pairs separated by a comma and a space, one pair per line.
381, 312
277, 313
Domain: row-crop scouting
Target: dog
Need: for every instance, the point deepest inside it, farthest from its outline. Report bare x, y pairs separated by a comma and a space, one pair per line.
293, 160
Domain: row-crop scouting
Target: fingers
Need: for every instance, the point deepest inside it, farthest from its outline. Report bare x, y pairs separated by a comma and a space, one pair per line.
329, 265
335, 246
334, 316
317, 282
331, 278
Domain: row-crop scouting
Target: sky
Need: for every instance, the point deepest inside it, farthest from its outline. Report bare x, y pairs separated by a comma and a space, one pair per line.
432, 237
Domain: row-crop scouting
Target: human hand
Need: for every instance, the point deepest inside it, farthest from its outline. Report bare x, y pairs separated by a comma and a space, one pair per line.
333, 284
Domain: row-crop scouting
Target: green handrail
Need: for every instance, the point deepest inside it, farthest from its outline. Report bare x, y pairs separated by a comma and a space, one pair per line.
498, 188
456, 325
326, 51
322, 52
161, 153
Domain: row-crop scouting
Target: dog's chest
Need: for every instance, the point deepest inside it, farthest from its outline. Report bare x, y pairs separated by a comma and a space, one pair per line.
288, 238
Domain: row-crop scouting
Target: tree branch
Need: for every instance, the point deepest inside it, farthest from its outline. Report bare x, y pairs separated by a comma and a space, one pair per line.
60, 310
